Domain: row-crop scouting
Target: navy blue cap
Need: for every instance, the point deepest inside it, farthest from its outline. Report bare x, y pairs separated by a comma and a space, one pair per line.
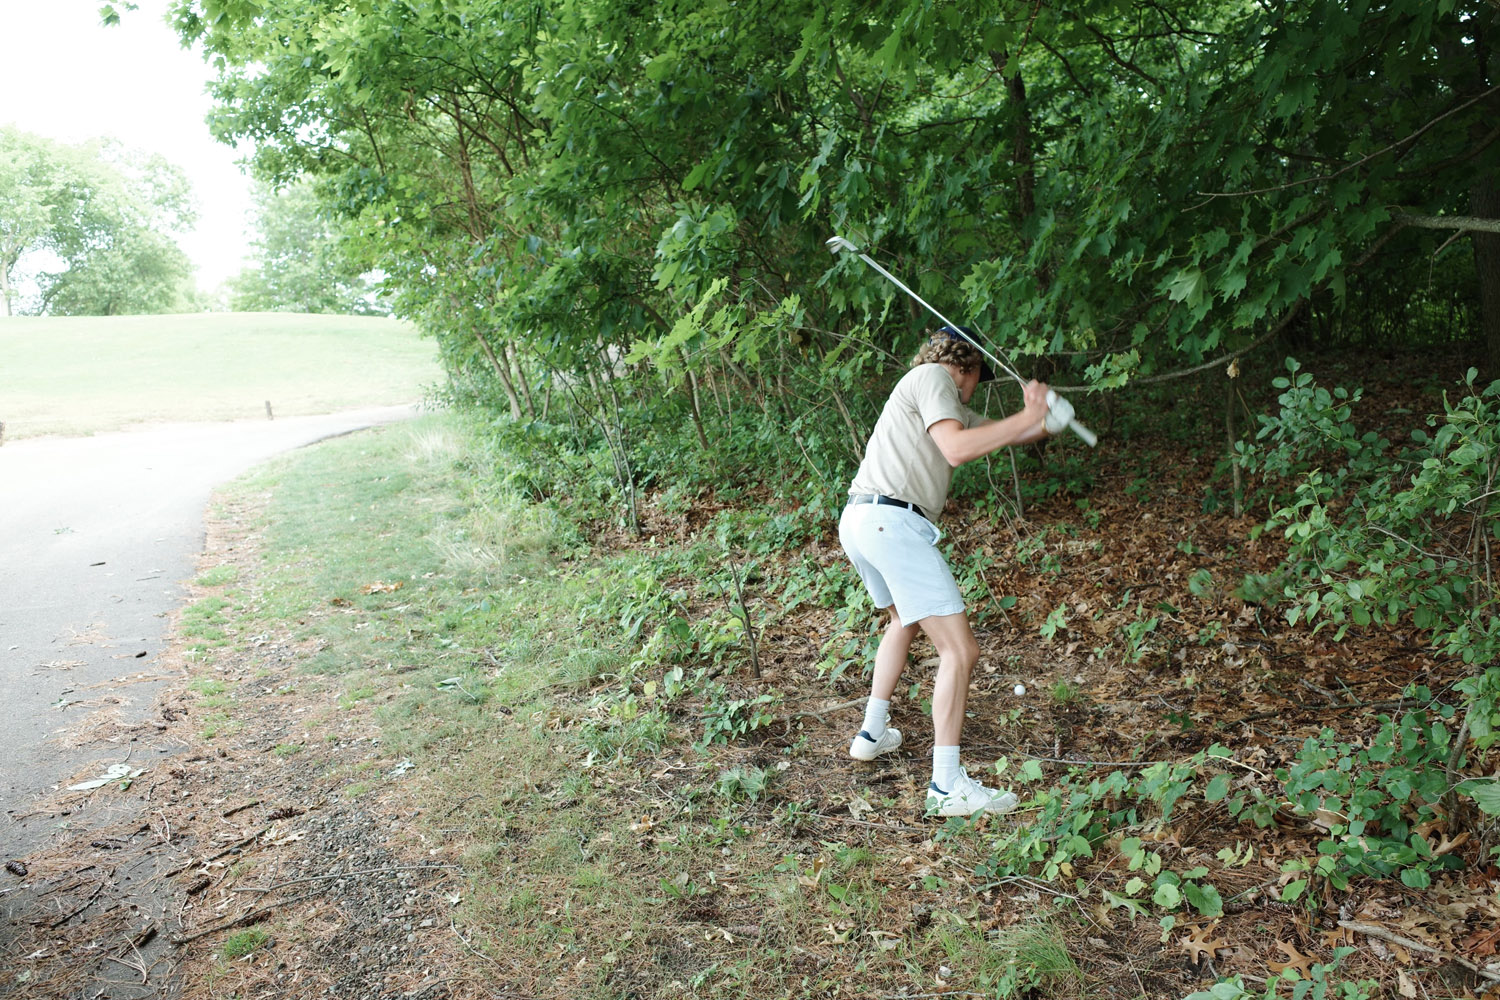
970, 336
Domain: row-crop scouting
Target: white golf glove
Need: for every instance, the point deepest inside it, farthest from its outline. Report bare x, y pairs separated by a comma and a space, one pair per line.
1059, 413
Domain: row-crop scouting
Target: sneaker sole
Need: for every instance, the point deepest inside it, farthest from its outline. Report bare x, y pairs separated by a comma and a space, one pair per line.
998, 806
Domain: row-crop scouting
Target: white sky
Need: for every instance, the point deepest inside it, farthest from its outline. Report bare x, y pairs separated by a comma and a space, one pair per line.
65, 76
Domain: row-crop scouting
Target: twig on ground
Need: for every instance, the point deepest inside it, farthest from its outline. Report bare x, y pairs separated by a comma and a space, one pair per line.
358, 871
1042, 887
1094, 763
248, 805
166, 838
144, 935
460, 805
1233, 900
253, 916
827, 711
894, 828
1376, 931
86, 904
479, 954
137, 967
469, 947
231, 848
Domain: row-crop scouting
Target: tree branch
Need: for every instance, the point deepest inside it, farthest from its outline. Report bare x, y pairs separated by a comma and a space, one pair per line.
1467, 223
1284, 322
1362, 160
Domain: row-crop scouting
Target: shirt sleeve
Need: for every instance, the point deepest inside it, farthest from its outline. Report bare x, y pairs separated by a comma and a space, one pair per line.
937, 397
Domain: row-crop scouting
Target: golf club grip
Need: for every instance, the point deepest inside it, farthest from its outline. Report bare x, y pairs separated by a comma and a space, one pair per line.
1089, 437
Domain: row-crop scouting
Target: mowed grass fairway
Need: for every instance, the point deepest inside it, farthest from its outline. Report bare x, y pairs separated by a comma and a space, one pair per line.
83, 375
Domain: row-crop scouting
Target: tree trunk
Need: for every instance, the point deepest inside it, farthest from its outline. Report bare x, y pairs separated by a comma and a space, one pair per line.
513, 358
1237, 489
502, 371
692, 384
1484, 202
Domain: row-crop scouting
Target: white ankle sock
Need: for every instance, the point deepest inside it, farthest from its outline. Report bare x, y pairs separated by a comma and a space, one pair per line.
944, 767
875, 712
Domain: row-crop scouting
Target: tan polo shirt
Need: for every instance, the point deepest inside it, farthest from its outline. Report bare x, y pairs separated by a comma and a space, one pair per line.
902, 460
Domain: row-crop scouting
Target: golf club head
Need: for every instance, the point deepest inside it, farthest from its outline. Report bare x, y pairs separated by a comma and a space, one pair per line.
838, 243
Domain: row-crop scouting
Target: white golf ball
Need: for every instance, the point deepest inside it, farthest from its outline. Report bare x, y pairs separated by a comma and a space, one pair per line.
1020, 690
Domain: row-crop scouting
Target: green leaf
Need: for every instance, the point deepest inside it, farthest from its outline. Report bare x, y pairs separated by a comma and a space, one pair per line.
1485, 793
1415, 878
1167, 895
695, 176
1120, 902
1217, 788
1293, 890
1186, 286
1204, 898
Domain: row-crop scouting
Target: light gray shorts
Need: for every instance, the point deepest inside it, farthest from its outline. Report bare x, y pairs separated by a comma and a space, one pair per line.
894, 550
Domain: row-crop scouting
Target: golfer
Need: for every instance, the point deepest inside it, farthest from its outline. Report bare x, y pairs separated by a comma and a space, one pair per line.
889, 531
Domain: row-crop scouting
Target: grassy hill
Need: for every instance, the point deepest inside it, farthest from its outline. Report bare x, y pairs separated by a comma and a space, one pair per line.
82, 375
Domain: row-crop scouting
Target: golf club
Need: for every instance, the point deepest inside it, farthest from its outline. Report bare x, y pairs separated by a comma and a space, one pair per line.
1055, 402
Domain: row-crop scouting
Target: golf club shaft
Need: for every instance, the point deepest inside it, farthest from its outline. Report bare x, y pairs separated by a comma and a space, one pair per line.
838, 243
1001, 365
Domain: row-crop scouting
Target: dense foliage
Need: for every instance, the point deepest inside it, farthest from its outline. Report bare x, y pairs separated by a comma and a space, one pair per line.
550, 187
93, 224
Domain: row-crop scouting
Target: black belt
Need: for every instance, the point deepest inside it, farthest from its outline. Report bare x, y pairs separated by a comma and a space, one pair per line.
876, 498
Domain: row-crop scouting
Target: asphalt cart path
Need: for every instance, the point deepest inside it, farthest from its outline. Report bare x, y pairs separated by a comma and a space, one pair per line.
97, 537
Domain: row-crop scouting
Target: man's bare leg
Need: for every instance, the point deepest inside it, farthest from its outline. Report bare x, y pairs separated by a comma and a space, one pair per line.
874, 737
891, 656
953, 792
958, 651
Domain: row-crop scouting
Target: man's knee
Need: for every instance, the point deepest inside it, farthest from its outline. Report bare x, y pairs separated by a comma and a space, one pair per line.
954, 640
961, 651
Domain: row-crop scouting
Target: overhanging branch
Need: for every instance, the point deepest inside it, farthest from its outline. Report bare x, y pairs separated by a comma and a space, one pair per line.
1462, 222
1223, 359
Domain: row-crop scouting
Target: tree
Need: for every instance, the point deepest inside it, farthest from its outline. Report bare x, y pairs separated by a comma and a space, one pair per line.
29, 189
103, 215
300, 265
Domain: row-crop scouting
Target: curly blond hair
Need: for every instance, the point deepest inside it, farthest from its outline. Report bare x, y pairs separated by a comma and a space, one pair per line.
944, 349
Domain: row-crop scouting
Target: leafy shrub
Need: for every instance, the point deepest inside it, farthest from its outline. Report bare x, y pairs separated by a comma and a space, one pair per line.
1291, 983
1376, 540
727, 718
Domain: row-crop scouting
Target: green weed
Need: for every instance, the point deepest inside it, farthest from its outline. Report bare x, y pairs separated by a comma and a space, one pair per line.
242, 943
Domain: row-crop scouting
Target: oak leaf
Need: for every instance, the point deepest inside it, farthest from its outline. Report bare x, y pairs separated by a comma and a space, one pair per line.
1295, 960
1200, 941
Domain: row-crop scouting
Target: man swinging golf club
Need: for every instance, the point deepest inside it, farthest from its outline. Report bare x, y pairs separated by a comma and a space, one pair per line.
889, 532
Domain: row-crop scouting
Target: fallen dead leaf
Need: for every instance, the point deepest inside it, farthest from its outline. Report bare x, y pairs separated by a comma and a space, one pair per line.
1482, 943
1295, 960
1200, 941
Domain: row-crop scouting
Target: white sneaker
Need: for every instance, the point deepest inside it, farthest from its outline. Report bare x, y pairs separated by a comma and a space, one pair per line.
864, 748
967, 797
